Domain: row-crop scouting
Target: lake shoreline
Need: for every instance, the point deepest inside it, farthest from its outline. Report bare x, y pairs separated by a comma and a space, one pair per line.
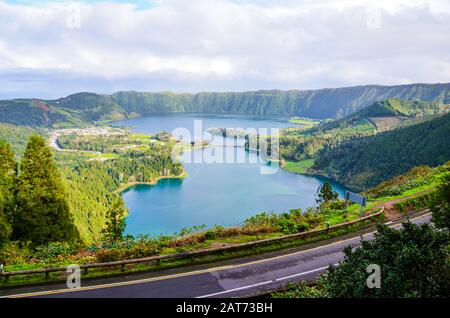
151, 182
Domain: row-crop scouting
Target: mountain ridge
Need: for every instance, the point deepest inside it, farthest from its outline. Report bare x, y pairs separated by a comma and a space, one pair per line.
322, 103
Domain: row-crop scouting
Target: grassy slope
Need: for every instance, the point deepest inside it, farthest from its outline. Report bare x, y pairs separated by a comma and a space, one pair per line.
304, 121
298, 166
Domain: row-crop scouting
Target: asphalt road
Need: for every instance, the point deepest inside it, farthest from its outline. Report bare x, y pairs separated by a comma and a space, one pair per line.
234, 280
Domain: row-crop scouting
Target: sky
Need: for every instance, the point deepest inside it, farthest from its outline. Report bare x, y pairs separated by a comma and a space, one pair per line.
49, 49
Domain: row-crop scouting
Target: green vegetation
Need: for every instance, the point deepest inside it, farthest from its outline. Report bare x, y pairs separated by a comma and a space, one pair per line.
414, 262
440, 205
306, 122
57, 212
165, 264
298, 166
86, 108
364, 162
415, 178
91, 181
264, 225
8, 177
115, 221
408, 108
338, 146
17, 136
298, 144
416, 203
93, 185
326, 194
33, 207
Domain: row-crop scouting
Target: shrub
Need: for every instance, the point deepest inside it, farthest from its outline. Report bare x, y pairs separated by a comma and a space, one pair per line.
301, 290
415, 177
210, 235
142, 249
416, 203
187, 240
53, 250
334, 205
14, 253
109, 255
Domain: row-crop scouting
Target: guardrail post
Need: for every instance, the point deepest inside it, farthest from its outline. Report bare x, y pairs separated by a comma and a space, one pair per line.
122, 267
191, 256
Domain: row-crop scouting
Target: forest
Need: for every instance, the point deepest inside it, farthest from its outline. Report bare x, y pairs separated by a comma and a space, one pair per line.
90, 185
86, 108
364, 162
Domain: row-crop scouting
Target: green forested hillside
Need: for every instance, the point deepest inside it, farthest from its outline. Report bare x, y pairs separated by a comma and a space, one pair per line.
91, 184
322, 103
409, 108
402, 110
300, 143
16, 136
364, 162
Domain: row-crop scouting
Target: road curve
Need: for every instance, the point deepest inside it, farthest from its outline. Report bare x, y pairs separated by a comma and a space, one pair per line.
235, 280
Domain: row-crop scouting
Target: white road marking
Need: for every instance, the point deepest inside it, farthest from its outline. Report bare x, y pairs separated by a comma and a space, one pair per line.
192, 273
265, 283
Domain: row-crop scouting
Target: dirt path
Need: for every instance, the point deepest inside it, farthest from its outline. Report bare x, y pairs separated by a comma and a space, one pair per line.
390, 211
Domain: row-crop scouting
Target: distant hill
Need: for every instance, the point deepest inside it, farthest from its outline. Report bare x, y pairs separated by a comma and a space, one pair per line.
364, 162
300, 144
321, 103
389, 114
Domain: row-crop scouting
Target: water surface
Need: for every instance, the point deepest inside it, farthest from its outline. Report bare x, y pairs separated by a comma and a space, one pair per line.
215, 193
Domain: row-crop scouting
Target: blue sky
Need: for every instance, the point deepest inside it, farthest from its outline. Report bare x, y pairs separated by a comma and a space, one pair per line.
50, 49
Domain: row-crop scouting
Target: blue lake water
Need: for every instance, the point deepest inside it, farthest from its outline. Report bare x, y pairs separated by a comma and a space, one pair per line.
215, 193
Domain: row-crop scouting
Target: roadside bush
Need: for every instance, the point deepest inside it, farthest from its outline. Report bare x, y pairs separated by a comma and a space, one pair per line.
260, 229
53, 250
415, 177
109, 255
229, 231
188, 240
302, 290
294, 221
416, 203
142, 248
210, 235
333, 205
15, 253
261, 219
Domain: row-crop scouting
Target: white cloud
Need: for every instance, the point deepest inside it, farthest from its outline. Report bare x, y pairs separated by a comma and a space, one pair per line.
221, 45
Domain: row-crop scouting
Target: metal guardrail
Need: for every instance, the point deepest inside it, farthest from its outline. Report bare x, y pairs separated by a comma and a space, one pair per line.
191, 254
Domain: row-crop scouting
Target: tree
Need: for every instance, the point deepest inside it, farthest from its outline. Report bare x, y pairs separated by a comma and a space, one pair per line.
5, 225
8, 175
326, 194
414, 262
43, 213
115, 223
440, 206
